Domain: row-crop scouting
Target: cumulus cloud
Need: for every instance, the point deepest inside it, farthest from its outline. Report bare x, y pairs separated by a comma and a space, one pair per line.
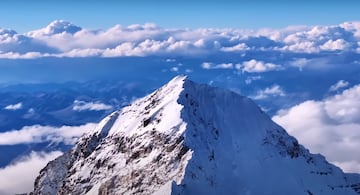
353, 27
339, 44
92, 106
19, 177
336, 120
258, 66
302, 47
340, 84
55, 27
321, 38
17, 106
273, 91
13, 43
39, 134
64, 39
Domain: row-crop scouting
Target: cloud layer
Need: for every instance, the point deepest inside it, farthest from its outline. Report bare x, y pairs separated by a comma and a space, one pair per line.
39, 134
330, 127
19, 177
64, 39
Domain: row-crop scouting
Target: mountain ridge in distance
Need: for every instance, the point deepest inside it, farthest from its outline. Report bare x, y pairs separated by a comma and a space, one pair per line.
189, 138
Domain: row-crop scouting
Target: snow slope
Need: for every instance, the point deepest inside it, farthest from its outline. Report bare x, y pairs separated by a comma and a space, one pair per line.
188, 138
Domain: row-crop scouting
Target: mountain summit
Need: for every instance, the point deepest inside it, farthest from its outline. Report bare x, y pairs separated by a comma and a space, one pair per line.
189, 138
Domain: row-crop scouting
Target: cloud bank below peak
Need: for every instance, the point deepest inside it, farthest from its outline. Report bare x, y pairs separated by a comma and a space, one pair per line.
336, 120
64, 39
18, 178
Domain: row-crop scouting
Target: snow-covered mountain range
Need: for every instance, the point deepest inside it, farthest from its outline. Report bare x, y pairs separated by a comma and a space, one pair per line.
189, 138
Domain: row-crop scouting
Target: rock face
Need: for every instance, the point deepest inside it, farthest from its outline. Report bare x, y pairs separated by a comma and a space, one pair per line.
188, 138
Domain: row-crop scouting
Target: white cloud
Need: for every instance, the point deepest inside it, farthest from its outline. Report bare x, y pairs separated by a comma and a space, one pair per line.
321, 38
63, 39
300, 63
302, 47
174, 69
209, 65
258, 66
93, 106
80, 53
339, 44
353, 27
170, 60
19, 177
55, 27
154, 47
330, 127
340, 84
17, 106
344, 107
28, 55
273, 91
224, 66
238, 47
39, 134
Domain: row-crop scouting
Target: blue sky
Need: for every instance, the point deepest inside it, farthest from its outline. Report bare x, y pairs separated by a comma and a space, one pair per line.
23, 16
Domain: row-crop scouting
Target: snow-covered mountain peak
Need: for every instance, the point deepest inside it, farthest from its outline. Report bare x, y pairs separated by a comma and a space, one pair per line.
189, 138
148, 110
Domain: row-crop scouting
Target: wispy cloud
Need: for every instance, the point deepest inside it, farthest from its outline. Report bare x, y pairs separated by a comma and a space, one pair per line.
336, 120
273, 91
340, 84
235, 48
19, 177
92, 106
209, 65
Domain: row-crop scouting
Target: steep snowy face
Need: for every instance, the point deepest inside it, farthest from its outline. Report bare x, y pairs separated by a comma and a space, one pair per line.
188, 138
